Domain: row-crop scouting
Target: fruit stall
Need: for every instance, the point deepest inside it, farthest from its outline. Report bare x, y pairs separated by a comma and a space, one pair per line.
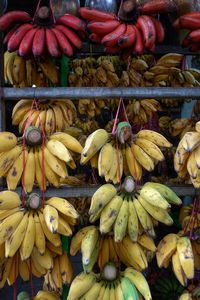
100, 150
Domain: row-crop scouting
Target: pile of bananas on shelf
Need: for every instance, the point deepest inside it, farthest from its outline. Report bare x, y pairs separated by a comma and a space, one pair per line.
87, 125
129, 157
187, 220
39, 296
186, 159
50, 115
132, 214
141, 111
38, 161
110, 284
178, 127
101, 249
30, 234
21, 72
177, 249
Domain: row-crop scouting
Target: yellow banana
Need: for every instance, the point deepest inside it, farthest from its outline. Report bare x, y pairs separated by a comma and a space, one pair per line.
166, 248
77, 239
69, 141
178, 270
150, 148
154, 137
105, 159
80, 285
146, 242
66, 268
63, 227
132, 222
51, 218
8, 158
29, 172
121, 222
8, 140
191, 140
142, 157
184, 249
59, 150
134, 166
39, 173
9, 200
151, 195
54, 163
88, 244
45, 260
63, 206
40, 242
29, 239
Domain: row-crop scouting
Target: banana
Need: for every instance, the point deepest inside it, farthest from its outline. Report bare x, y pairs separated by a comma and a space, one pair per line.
56, 274
23, 270
154, 137
178, 270
192, 166
185, 296
142, 157
8, 141
68, 141
63, 206
41, 295
9, 200
93, 292
109, 214
29, 172
63, 227
40, 242
49, 69
54, 163
45, 260
105, 159
6, 271
134, 166
139, 281
128, 289
133, 228
15, 240
113, 257
39, 172
121, 222
29, 238
118, 291
135, 252
146, 242
151, 195
114, 168
165, 192
184, 249
51, 218
19, 70
88, 244
150, 148
157, 213
93, 143
59, 150
54, 238
191, 140
6, 213
49, 122
9, 225
143, 217
80, 285
66, 269
8, 158
166, 248
104, 255
94, 257
77, 239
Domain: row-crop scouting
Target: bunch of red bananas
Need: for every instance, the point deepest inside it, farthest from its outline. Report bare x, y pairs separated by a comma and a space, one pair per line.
190, 21
42, 34
118, 36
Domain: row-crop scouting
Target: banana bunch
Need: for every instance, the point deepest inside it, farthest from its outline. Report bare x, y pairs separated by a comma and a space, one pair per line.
188, 221
87, 125
90, 108
185, 296
177, 249
181, 126
163, 124
103, 249
186, 159
28, 225
125, 214
41, 295
21, 72
141, 111
60, 274
130, 284
172, 102
52, 115
37, 164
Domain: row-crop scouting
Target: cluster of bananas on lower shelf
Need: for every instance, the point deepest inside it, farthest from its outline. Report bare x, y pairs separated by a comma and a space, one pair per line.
173, 102
112, 161
30, 242
90, 108
125, 214
187, 156
22, 73
52, 115
129, 284
141, 111
87, 125
41, 295
178, 127
177, 249
29, 164
189, 217
96, 248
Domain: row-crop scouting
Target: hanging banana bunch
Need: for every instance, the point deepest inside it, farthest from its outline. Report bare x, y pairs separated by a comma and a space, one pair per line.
186, 159
52, 115
38, 161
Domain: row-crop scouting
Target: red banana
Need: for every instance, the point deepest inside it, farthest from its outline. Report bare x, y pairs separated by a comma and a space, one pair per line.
157, 6
92, 14
189, 22
194, 47
111, 39
176, 24
194, 36
95, 38
71, 35
112, 50
11, 17
8, 35
128, 38
148, 30
72, 21
139, 44
103, 28
17, 37
39, 41
63, 42
160, 32
25, 46
52, 43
